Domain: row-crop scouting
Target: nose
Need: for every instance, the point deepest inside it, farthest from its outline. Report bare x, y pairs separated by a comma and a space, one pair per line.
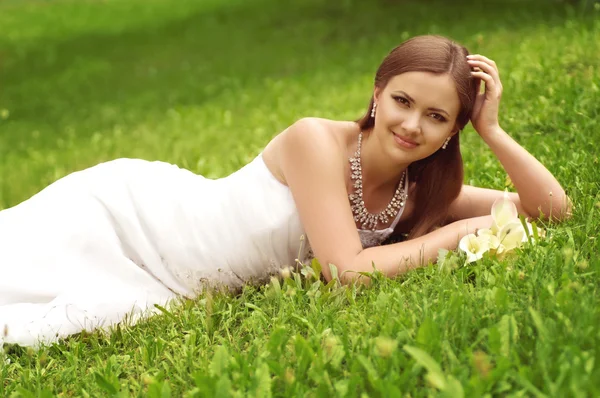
412, 123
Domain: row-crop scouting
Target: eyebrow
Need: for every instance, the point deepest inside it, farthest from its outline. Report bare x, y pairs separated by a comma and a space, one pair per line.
411, 99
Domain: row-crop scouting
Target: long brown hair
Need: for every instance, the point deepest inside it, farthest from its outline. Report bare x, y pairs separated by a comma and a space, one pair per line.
438, 177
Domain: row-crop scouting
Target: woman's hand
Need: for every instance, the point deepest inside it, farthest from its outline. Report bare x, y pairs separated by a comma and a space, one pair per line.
485, 111
539, 192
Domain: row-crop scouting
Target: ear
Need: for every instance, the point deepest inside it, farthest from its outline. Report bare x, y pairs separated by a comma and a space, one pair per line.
454, 131
376, 93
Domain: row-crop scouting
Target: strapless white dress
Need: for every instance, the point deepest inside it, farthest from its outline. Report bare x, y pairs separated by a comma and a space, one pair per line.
108, 243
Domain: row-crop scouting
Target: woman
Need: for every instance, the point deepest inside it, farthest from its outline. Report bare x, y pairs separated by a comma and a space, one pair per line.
122, 236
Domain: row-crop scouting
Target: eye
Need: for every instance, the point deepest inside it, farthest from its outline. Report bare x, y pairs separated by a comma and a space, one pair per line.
401, 100
438, 117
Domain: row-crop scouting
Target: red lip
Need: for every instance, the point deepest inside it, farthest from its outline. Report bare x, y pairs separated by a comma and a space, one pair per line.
408, 140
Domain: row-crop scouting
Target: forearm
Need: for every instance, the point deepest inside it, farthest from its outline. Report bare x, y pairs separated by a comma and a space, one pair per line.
400, 257
539, 192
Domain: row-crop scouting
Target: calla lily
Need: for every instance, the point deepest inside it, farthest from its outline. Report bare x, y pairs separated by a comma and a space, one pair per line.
511, 236
484, 231
474, 246
492, 240
504, 212
507, 233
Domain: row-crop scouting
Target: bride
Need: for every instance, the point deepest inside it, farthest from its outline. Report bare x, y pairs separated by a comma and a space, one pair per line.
117, 238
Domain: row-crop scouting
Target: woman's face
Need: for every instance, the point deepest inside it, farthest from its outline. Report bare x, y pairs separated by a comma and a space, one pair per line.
416, 112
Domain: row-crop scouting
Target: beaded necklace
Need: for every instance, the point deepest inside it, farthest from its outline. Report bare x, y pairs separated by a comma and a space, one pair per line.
360, 212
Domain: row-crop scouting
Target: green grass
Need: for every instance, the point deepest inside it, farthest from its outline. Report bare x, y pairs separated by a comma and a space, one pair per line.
206, 84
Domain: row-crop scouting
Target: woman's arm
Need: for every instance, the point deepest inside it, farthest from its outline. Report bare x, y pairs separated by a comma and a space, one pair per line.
539, 192
400, 257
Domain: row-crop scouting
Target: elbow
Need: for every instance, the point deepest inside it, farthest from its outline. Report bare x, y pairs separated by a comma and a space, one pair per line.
562, 209
347, 272
354, 277
566, 210
557, 210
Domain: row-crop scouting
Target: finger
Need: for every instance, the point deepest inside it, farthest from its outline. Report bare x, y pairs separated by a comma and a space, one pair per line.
477, 107
478, 85
479, 57
489, 80
487, 68
483, 66
486, 60
490, 84
483, 58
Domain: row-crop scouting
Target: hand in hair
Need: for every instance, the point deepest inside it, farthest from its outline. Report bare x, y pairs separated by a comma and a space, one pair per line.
485, 111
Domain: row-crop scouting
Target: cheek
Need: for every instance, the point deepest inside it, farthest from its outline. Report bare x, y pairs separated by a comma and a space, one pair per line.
435, 131
434, 139
396, 116
390, 111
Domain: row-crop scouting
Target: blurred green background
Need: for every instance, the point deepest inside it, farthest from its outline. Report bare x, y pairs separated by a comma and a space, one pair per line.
205, 84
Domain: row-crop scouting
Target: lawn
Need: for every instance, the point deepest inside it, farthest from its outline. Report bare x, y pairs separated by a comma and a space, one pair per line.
205, 84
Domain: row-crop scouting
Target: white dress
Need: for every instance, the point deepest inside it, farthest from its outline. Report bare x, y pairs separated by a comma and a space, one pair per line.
107, 243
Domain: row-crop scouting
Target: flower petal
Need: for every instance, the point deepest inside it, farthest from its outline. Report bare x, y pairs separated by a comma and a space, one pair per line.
465, 243
474, 246
511, 235
472, 257
484, 231
492, 241
504, 211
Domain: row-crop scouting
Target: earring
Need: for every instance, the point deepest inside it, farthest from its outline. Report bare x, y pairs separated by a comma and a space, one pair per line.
446, 143
373, 110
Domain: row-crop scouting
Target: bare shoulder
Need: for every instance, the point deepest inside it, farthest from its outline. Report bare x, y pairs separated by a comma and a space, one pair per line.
311, 157
308, 135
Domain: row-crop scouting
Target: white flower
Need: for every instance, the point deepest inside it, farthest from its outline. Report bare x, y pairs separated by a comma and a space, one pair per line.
484, 231
474, 246
506, 233
511, 236
504, 212
487, 235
